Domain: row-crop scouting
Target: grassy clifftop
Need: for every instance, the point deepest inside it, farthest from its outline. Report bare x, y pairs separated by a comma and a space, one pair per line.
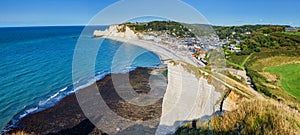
171, 28
255, 117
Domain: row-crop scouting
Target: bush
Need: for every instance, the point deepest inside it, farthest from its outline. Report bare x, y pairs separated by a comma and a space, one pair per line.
257, 49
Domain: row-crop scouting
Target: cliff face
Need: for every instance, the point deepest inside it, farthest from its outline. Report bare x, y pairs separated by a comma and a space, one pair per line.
187, 98
121, 31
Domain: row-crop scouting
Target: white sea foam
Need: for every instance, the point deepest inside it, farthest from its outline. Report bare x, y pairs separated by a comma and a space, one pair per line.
32, 110
62, 90
84, 84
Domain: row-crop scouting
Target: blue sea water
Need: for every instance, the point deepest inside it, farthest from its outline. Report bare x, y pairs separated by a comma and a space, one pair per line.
36, 66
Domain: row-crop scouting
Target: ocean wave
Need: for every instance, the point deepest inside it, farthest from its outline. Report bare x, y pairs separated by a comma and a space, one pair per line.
62, 90
42, 105
54, 99
62, 93
45, 104
89, 82
82, 86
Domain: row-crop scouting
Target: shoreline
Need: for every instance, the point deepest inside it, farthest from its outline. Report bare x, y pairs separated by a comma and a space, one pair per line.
165, 52
67, 117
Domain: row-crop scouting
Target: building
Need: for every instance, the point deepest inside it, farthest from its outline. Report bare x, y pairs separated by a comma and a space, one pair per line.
248, 33
291, 29
234, 48
202, 54
147, 37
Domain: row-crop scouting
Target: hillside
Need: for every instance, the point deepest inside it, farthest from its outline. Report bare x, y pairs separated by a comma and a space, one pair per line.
270, 57
171, 28
266, 47
254, 117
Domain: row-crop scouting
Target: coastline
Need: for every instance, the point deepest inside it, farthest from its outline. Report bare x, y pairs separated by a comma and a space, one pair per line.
163, 51
140, 43
66, 117
66, 93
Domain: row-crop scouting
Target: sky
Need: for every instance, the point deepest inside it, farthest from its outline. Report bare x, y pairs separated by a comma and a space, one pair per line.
80, 12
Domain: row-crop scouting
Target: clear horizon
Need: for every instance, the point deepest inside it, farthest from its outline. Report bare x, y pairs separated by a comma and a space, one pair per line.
83, 25
18, 13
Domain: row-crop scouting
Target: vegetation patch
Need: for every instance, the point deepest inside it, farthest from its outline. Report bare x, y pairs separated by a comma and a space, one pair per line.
292, 33
269, 84
254, 117
289, 77
239, 59
234, 65
170, 27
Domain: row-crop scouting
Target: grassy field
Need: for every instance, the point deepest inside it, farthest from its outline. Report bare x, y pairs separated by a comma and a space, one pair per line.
292, 33
289, 77
269, 83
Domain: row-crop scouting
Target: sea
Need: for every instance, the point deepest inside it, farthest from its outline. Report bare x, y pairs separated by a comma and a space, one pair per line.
36, 66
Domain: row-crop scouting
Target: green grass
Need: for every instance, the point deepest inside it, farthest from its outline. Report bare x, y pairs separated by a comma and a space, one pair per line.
246, 59
228, 62
292, 33
239, 61
289, 76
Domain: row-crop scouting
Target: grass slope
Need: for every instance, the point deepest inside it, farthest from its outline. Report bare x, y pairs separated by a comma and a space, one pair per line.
253, 117
289, 76
269, 83
239, 61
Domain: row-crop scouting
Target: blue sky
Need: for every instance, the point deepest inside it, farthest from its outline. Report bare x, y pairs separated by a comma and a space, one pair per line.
80, 12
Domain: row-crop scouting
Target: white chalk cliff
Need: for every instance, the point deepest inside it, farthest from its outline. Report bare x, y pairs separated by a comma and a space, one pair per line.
121, 31
186, 98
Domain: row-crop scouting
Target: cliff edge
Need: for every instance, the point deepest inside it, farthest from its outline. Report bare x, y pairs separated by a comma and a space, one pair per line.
120, 30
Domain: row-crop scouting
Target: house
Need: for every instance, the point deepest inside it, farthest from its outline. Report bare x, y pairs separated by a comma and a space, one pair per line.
197, 46
248, 33
234, 48
147, 37
157, 39
202, 54
204, 61
291, 29
231, 47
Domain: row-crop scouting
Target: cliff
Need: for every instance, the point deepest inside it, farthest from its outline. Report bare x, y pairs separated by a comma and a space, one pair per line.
121, 31
187, 98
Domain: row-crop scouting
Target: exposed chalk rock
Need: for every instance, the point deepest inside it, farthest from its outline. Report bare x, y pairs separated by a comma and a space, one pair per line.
121, 31
186, 98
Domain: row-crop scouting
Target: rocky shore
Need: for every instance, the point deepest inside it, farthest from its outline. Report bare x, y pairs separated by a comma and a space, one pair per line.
68, 118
